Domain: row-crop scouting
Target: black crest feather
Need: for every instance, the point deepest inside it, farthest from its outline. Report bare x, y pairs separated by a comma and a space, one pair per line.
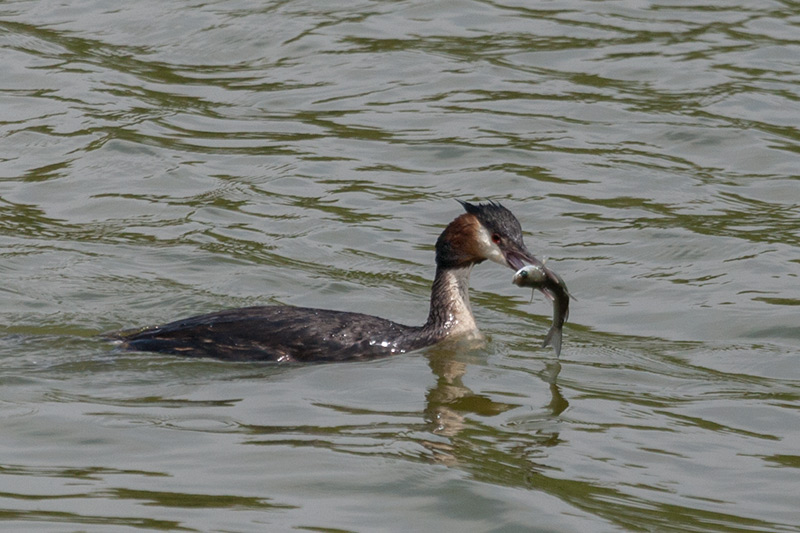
494, 217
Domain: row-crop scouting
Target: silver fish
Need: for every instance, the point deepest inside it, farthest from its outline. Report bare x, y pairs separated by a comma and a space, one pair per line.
538, 276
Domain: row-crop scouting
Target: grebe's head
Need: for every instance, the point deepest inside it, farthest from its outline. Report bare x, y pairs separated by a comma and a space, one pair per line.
485, 231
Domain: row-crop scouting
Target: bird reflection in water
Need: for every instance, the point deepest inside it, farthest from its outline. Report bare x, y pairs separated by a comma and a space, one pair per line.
450, 403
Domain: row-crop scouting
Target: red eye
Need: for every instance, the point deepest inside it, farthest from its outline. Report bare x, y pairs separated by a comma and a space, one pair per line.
496, 238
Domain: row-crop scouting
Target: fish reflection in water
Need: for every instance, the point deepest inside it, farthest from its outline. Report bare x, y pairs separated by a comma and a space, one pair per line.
538, 276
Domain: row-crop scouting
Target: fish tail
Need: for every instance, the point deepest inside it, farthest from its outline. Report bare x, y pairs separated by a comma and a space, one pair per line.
553, 338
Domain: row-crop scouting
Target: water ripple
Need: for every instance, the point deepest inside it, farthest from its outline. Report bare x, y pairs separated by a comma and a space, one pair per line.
164, 159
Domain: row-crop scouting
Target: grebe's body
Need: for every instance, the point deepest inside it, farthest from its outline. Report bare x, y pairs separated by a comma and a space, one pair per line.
282, 333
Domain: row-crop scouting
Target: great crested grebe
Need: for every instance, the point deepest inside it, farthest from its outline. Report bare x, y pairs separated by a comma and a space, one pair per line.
283, 333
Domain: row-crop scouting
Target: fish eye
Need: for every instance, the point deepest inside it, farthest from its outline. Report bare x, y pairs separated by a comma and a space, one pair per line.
496, 238
524, 274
